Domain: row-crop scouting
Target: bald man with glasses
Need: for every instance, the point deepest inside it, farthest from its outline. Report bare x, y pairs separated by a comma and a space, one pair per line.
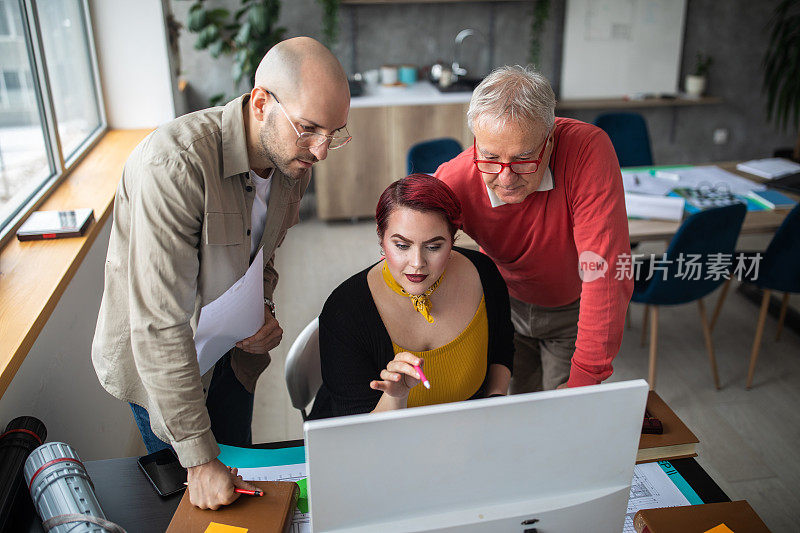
198, 199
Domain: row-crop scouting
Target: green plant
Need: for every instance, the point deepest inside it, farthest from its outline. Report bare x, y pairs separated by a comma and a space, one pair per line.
246, 35
330, 21
541, 12
702, 64
782, 68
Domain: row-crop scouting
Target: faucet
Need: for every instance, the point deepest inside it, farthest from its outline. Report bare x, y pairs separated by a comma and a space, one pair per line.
458, 70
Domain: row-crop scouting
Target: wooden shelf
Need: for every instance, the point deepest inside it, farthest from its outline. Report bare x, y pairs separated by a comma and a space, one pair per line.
34, 274
620, 103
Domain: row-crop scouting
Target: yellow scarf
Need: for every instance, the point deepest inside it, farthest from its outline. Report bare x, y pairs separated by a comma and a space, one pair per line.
421, 302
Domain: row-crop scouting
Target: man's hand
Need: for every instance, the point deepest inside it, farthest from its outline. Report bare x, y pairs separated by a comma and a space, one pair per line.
211, 485
266, 338
562, 386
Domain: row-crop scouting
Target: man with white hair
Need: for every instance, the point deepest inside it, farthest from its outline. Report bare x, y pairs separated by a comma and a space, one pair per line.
199, 198
543, 198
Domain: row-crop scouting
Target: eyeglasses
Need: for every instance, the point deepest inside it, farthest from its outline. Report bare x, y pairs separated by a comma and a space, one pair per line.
517, 167
309, 139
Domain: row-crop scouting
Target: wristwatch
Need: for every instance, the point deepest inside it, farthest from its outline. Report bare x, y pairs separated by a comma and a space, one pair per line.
269, 303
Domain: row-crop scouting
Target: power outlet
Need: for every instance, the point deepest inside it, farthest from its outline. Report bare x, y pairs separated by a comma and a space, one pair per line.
720, 136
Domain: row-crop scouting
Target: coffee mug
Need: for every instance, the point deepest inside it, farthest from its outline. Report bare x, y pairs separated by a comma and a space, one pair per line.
407, 74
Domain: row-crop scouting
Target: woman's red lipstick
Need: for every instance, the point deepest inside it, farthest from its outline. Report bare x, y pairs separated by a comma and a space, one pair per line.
416, 278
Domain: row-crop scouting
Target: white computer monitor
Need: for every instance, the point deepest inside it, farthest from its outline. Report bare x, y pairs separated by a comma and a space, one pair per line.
555, 461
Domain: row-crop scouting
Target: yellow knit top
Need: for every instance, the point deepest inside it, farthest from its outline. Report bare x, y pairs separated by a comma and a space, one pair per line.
457, 369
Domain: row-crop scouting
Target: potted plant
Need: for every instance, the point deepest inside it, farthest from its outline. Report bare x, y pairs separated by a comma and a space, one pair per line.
782, 69
696, 82
330, 21
246, 35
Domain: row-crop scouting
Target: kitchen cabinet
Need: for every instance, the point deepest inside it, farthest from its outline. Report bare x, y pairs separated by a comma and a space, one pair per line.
349, 182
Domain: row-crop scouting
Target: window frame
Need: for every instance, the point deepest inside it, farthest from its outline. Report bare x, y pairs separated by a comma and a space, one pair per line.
60, 166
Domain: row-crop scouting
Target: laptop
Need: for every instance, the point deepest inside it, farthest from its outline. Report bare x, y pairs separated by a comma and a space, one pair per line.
548, 461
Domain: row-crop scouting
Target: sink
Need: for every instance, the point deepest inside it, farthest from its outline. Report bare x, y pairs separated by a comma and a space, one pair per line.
461, 85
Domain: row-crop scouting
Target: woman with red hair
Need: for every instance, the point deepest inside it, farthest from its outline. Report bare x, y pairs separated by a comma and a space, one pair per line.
426, 310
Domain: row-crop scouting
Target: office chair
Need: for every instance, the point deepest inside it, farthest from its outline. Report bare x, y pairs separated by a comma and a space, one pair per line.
628, 133
303, 369
713, 231
779, 270
426, 156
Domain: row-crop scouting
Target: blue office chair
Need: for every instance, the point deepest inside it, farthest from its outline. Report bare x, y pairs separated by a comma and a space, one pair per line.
426, 156
779, 270
713, 231
628, 133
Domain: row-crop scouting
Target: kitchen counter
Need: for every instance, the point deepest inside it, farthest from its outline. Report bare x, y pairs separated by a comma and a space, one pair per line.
421, 93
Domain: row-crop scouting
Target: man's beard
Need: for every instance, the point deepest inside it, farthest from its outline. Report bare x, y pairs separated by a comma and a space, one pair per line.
271, 150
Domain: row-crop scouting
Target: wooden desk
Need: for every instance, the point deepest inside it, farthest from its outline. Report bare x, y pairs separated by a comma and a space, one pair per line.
128, 499
754, 221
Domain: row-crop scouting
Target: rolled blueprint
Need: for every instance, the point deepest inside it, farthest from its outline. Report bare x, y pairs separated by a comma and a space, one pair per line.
62, 491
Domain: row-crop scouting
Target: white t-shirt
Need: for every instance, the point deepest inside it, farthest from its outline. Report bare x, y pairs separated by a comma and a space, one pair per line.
258, 216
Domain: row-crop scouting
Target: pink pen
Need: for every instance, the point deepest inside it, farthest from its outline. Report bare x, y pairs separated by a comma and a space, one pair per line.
422, 377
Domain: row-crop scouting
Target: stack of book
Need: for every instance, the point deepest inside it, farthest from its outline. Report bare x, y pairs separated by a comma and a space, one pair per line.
676, 441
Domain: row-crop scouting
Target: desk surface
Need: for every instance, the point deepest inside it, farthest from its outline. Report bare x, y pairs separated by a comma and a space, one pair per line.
128, 499
660, 230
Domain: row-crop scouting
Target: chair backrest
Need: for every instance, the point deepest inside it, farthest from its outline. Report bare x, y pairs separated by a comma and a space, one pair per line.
303, 368
709, 232
780, 269
426, 156
628, 133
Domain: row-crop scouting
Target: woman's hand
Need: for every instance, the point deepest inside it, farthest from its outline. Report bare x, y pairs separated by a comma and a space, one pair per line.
399, 376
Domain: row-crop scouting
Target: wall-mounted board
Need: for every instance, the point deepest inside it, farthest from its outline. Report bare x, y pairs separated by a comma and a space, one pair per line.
615, 48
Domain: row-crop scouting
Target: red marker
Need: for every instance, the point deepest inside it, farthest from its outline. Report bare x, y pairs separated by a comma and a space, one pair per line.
249, 492
237, 490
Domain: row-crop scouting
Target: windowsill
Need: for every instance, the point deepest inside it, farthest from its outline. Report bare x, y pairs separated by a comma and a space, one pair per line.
34, 274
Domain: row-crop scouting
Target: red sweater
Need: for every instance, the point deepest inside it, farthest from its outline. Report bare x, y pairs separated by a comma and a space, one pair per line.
536, 243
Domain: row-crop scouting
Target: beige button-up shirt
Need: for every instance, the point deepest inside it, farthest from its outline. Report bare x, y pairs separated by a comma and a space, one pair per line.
180, 238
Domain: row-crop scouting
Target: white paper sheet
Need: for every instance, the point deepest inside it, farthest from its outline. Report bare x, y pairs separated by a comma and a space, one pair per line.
302, 521
651, 487
646, 183
770, 168
654, 207
237, 314
715, 176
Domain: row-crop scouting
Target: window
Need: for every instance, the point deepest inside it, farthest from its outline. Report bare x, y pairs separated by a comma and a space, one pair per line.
50, 104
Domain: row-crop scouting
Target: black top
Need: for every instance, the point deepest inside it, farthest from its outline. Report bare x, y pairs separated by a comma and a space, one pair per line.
355, 346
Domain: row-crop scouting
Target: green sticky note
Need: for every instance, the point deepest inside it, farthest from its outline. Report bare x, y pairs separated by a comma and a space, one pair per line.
302, 500
236, 457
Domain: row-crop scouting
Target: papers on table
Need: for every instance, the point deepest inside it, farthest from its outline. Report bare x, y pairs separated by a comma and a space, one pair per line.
655, 207
236, 315
770, 168
714, 176
645, 189
651, 487
301, 523
646, 183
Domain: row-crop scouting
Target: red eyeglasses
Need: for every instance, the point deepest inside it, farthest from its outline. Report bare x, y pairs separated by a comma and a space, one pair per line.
517, 167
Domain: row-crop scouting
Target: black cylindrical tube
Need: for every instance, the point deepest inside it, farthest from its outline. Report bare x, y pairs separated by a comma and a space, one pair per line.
21, 437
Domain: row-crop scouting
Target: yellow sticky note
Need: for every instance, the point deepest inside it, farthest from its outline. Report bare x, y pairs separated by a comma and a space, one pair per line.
722, 528
214, 527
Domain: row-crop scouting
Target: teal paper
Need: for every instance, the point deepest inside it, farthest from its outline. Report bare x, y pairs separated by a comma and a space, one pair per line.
257, 457
680, 482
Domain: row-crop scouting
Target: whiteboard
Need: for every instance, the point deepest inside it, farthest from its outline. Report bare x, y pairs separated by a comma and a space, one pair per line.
615, 48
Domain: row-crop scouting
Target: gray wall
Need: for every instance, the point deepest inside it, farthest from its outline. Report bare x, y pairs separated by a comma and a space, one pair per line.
733, 32
57, 383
